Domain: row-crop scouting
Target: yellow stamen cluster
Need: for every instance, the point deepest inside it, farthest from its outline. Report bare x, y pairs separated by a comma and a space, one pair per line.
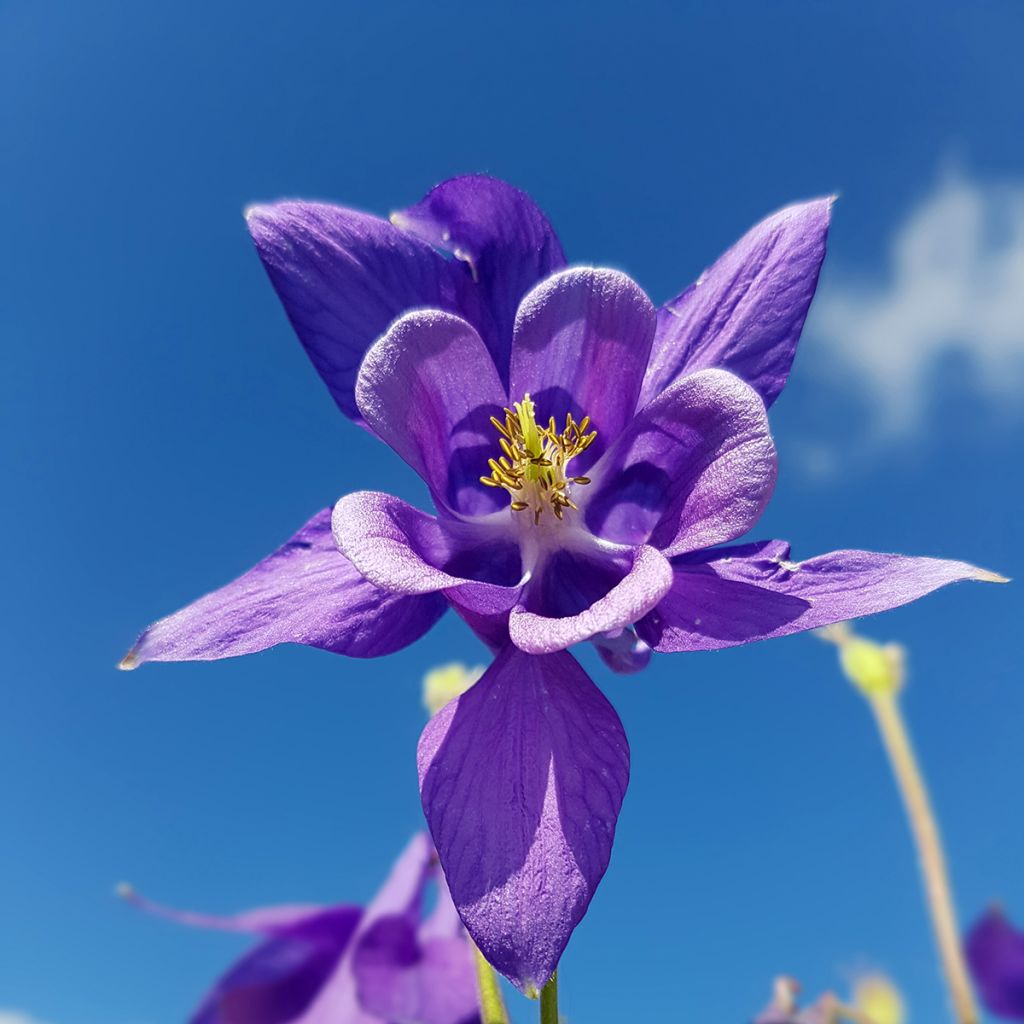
533, 465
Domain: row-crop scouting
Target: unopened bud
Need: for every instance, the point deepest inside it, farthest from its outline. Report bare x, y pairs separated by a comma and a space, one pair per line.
879, 1000
446, 682
875, 669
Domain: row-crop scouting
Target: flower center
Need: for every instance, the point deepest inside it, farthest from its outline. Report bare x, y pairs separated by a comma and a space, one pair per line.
533, 466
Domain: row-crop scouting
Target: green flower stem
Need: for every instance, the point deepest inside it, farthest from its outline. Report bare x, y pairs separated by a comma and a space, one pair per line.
924, 827
492, 1006
549, 1001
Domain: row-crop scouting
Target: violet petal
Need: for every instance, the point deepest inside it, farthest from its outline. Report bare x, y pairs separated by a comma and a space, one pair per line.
750, 592
306, 592
343, 276
522, 778
502, 241
695, 468
746, 311
429, 388
581, 343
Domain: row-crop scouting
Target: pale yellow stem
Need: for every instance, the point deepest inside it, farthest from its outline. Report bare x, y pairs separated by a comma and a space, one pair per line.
492, 1006
929, 850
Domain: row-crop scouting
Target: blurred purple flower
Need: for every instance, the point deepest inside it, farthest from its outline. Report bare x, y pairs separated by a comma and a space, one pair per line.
628, 442
345, 964
995, 953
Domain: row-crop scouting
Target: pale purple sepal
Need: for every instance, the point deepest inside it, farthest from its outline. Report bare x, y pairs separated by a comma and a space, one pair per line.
429, 388
342, 277
581, 343
749, 592
746, 311
306, 592
522, 778
995, 954
695, 468
502, 242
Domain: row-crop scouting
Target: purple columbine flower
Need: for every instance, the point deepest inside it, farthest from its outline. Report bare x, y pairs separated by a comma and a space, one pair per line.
587, 455
995, 954
346, 964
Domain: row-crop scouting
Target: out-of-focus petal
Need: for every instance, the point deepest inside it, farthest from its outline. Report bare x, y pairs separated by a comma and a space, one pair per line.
745, 313
261, 921
401, 978
753, 592
306, 592
399, 899
581, 343
280, 977
522, 778
343, 276
429, 388
695, 468
278, 980
995, 953
504, 245
644, 583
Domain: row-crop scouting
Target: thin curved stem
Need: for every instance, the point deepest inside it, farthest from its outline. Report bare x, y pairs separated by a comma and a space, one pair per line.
549, 1001
924, 827
492, 1006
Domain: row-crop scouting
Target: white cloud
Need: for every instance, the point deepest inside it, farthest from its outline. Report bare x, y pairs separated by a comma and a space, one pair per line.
954, 283
14, 1017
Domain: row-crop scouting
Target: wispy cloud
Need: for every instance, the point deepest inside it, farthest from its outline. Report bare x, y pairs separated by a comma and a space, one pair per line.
953, 285
14, 1017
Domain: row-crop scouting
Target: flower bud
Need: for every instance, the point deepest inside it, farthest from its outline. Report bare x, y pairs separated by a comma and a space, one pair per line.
446, 682
879, 1000
875, 669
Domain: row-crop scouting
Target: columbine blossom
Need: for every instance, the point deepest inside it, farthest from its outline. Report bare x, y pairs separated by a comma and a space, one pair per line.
346, 964
588, 457
995, 954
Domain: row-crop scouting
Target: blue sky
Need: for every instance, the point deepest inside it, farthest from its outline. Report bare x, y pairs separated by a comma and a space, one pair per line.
161, 430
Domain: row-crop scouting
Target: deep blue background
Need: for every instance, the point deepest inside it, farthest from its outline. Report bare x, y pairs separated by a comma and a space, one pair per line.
161, 430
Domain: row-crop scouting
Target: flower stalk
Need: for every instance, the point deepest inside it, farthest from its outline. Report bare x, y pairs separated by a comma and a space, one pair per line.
877, 672
492, 1006
549, 1001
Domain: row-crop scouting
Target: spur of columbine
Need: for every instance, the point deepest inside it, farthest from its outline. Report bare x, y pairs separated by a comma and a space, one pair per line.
587, 455
346, 964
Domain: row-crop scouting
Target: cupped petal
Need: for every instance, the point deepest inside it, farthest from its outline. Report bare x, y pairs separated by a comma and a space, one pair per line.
306, 592
751, 592
643, 584
429, 388
407, 551
695, 468
343, 276
747, 310
581, 343
503, 242
522, 779
995, 954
